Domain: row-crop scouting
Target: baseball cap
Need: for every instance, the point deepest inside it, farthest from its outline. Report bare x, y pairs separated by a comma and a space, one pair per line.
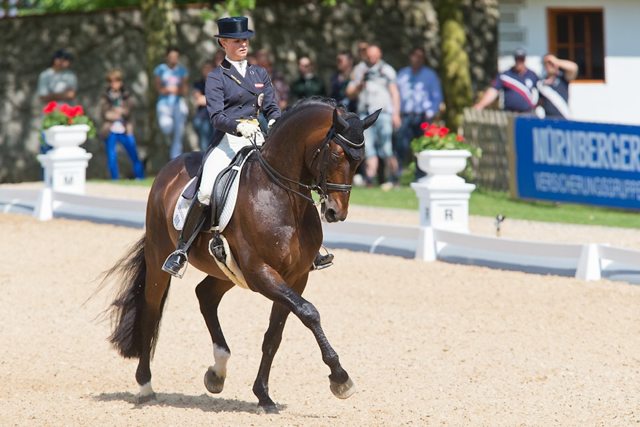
519, 53
62, 54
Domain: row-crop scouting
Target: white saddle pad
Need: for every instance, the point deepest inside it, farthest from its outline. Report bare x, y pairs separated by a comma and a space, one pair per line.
182, 207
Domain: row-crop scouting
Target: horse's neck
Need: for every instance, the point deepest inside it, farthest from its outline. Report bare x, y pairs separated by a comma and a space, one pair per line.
287, 153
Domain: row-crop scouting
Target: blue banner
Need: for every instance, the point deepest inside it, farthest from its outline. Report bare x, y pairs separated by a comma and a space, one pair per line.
579, 162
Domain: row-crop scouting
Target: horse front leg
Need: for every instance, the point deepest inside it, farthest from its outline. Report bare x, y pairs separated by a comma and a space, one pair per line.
270, 284
270, 345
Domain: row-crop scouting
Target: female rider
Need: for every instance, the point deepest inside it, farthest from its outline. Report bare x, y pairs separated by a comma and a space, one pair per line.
236, 92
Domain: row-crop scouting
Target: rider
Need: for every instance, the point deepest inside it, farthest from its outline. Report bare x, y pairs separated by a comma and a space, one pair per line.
236, 92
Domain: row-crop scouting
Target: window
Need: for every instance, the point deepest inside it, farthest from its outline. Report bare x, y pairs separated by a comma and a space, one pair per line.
578, 35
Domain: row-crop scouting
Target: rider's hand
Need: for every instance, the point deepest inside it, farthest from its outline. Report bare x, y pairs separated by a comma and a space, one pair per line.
247, 129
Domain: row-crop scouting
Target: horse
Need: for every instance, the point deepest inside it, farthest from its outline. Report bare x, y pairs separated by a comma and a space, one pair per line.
274, 234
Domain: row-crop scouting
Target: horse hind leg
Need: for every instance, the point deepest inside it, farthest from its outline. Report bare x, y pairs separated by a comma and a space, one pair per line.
155, 294
210, 292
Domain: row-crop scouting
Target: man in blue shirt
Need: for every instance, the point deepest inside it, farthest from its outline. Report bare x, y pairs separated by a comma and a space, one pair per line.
171, 109
420, 100
518, 85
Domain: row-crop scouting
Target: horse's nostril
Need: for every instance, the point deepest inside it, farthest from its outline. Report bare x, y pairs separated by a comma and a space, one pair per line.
330, 215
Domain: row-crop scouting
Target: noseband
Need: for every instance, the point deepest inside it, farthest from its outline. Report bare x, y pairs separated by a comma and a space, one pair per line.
322, 187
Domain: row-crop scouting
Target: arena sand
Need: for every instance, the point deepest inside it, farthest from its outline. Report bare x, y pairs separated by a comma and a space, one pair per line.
425, 343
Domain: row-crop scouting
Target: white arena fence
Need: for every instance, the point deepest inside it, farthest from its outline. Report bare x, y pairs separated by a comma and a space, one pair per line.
584, 261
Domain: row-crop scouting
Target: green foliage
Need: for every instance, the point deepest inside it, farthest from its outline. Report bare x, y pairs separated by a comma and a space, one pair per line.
454, 65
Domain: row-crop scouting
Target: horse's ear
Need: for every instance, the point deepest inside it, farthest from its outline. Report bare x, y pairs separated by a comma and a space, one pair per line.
339, 122
371, 119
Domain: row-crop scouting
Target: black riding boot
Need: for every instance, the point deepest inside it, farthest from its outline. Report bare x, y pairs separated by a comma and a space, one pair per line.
192, 225
322, 261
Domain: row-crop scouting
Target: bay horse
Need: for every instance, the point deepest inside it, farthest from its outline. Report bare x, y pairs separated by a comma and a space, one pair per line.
274, 235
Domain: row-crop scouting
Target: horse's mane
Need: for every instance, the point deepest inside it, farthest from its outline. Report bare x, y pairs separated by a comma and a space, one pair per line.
303, 104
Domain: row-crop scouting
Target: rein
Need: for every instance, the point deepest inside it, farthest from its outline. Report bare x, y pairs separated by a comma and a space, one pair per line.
323, 187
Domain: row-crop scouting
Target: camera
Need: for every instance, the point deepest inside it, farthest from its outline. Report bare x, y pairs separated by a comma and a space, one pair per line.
368, 75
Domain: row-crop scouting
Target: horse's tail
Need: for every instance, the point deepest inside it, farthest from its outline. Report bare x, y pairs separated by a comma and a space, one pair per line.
126, 309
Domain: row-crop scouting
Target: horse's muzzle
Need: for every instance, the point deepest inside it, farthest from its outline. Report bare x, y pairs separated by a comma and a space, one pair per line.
332, 215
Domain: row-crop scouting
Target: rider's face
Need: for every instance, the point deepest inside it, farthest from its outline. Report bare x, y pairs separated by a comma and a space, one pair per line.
236, 49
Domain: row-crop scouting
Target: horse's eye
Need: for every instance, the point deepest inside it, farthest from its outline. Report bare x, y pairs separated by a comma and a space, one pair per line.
335, 156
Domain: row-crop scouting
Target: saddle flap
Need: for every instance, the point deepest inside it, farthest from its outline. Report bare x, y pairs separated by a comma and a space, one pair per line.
224, 184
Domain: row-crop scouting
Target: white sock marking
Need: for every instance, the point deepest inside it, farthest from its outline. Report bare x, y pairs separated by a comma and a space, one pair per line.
221, 357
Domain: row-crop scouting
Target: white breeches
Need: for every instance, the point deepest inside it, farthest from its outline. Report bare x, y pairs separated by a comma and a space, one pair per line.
218, 159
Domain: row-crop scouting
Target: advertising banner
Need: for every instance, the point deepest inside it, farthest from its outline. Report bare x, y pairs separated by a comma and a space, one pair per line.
579, 162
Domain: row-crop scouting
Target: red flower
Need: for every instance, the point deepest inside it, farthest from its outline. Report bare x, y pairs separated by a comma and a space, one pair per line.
459, 138
424, 125
443, 131
50, 107
76, 111
430, 132
66, 110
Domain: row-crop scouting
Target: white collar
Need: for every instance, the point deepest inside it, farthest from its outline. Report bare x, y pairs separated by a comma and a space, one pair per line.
241, 66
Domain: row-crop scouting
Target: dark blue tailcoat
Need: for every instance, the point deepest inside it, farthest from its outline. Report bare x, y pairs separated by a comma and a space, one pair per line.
231, 97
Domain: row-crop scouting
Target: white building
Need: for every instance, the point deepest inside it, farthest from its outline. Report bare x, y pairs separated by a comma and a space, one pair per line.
602, 37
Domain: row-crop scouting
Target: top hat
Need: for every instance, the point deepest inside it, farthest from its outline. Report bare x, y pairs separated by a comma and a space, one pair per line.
235, 27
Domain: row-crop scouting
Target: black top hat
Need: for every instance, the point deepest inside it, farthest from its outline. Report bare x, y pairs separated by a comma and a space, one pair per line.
235, 27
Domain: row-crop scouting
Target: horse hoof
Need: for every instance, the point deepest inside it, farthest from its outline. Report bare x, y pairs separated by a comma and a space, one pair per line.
344, 390
213, 382
268, 409
140, 399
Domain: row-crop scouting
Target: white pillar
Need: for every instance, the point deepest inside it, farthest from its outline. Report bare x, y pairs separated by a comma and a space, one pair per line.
65, 169
65, 166
443, 198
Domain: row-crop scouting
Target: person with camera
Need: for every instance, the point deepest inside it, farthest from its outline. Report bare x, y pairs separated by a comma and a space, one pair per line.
375, 88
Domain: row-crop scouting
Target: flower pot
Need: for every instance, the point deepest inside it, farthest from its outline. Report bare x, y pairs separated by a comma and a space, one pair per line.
443, 165
66, 136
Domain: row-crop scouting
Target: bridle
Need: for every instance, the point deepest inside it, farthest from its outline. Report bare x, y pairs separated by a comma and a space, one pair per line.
321, 186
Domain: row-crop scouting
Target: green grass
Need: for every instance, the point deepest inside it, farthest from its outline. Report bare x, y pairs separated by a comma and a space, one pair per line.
490, 203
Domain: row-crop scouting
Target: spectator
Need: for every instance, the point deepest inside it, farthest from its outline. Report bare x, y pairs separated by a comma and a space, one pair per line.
308, 84
340, 80
554, 89
375, 87
280, 86
171, 84
57, 83
218, 57
201, 123
420, 101
518, 85
115, 109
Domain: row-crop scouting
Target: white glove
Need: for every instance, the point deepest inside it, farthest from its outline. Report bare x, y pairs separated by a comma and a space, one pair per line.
271, 122
247, 129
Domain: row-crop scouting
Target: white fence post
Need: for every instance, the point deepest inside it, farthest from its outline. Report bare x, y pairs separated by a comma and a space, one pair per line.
426, 248
44, 206
589, 263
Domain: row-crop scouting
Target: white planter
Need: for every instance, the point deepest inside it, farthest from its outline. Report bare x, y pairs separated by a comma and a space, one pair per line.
66, 136
443, 165
65, 165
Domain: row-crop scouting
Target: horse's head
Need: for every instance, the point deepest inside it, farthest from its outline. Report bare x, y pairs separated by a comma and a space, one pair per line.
339, 158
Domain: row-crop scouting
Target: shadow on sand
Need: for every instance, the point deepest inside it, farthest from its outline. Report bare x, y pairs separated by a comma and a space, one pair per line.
203, 402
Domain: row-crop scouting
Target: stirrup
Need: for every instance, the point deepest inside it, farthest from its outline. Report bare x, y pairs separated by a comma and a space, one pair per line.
170, 265
325, 261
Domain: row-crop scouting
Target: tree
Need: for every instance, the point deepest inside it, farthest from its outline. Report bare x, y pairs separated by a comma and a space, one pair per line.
454, 62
